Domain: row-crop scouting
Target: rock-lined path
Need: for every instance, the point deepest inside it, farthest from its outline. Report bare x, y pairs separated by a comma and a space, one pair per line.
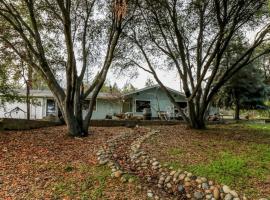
124, 156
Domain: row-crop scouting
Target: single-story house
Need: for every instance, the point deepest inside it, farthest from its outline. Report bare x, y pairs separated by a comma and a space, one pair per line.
153, 98
45, 105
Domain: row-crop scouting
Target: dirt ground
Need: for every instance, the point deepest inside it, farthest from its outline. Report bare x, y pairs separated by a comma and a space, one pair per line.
47, 164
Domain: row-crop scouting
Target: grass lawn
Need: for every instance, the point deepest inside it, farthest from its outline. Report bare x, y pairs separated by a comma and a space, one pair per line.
235, 155
46, 164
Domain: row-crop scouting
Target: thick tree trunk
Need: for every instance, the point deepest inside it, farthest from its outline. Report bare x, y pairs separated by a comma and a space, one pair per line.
237, 111
74, 128
196, 120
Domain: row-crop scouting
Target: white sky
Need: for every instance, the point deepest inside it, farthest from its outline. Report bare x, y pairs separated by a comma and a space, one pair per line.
168, 78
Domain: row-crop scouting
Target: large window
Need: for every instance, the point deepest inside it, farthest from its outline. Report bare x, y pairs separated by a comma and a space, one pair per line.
51, 107
140, 105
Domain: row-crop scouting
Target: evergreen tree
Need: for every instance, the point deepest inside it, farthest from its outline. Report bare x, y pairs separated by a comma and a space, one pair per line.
245, 90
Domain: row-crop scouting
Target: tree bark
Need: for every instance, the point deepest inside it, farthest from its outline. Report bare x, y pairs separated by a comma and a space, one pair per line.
197, 120
237, 111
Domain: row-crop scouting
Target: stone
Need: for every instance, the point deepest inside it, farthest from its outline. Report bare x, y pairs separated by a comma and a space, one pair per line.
189, 174
226, 189
181, 188
118, 174
187, 179
236, 198
1, 181
168, 185
208, 191
155, 163
211, 183
199, 180
182, 177
208, 196
234, 193
168, 178
187, 184
204, 179
216, 193
103, 162
198, 195
150, 195
228, 197
205, 186
131, 180
156, 197
172, 173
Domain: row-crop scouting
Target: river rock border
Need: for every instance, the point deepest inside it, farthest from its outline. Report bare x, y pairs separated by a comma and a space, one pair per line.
177, 183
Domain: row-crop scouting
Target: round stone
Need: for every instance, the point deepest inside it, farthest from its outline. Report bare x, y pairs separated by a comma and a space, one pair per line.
150, 195
169, 185
228, 197
216, 193
168, 178
198, 195
205, 186
117, 174
182, 177
204, 179
234, 193
181, 188
155, 163
226, 189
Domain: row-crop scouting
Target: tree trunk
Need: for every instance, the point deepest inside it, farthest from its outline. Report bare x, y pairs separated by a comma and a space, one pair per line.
73, 126
237, 111
28, 101
196, 120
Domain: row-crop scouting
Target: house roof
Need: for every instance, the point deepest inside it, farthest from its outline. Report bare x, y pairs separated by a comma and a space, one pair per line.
48, 94
101, 95
152, 87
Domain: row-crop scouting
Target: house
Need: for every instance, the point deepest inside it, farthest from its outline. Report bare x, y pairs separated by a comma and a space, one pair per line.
156, 99
153, 97
43, 105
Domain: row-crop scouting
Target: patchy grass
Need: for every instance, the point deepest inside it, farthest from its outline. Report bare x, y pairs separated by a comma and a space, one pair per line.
260, 127
175, 151
237, 155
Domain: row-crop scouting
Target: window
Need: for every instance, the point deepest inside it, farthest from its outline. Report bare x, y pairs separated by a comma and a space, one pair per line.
51, 107
86, 103
140, 105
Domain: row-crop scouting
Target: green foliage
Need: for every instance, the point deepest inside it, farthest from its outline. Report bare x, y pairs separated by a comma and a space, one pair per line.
149, 82
247, 88
108, 88
128, 87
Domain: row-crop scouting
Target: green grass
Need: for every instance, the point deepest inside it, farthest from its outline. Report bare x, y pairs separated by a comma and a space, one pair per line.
229, 169
260, 127
90, 187
237, 170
